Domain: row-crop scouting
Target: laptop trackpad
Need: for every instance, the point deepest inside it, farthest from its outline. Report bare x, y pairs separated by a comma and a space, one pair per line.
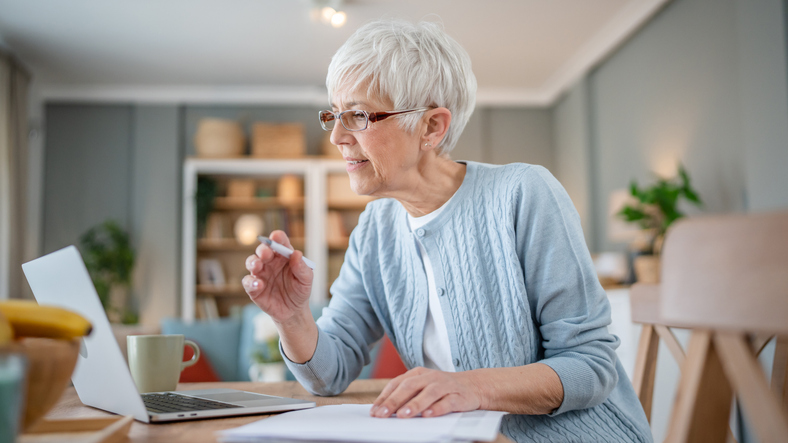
243, 398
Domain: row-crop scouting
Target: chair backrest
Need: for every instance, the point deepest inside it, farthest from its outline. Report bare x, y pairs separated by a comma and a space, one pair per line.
727, 272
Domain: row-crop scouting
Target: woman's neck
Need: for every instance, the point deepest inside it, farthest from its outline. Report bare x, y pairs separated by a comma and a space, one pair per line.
432, 183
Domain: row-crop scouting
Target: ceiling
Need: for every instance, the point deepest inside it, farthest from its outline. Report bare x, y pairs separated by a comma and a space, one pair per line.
524, 52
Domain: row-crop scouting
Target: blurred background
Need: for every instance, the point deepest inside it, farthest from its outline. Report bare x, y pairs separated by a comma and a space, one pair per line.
162, 136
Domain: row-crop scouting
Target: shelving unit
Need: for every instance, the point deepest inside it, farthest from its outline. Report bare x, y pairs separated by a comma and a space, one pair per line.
315, 204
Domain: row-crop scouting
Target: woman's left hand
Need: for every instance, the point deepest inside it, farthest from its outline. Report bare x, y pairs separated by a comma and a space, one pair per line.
428, 392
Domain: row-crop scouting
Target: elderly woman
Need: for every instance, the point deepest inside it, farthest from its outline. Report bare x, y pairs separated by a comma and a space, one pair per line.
479, 274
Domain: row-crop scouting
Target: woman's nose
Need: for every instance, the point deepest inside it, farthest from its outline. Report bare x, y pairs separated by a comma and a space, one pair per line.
340, 135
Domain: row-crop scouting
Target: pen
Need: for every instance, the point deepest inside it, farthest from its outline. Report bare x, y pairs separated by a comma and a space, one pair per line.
283, 251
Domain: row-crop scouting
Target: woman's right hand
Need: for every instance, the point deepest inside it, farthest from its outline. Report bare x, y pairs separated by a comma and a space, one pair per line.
279, 286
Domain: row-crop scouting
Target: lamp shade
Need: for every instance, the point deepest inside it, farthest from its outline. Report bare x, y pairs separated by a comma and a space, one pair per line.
247, 228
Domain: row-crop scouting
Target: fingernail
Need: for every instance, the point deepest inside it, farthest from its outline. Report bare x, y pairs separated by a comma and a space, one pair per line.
427, 413
383, 412
255, 262
372, 410
255, 284
405, 412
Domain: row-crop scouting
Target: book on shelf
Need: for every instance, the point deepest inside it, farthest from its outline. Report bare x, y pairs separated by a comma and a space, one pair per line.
207, 308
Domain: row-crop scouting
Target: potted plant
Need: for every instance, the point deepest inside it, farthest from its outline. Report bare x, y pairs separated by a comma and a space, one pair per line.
654, 209
207, 189
268, 364
109, 258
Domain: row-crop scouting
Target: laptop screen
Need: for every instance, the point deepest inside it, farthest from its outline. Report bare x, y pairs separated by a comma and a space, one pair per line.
101, 377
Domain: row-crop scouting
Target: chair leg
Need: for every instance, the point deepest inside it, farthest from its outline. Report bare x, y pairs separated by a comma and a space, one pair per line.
702, 408
760, 406
667, 336
646, 368
780, 370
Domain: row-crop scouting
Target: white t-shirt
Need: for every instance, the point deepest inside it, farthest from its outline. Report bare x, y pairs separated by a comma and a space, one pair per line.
436, 347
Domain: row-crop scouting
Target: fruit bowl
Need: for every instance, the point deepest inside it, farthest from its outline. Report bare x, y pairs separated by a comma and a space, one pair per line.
50, 363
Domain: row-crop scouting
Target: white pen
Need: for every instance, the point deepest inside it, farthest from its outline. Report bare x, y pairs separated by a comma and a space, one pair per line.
283, 251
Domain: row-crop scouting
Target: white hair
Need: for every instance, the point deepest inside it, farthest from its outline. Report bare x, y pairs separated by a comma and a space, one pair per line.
411, 65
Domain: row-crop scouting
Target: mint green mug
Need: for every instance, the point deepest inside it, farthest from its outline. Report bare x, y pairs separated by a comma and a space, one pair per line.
156, 361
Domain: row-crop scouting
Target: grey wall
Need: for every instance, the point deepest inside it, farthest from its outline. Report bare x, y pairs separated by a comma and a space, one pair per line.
87, 170
507, 135
703, 83
118, 162
762, 50
156, 208
573, 154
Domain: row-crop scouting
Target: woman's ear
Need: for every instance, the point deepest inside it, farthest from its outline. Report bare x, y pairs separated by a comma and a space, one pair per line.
438, 121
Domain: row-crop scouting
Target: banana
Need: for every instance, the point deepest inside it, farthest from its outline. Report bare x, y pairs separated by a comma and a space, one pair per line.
6, 331
30, 319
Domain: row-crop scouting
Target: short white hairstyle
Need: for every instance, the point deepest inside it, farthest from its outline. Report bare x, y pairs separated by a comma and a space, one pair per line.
411, 65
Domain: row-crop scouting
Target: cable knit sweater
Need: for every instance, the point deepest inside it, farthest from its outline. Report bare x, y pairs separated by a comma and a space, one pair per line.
516, 286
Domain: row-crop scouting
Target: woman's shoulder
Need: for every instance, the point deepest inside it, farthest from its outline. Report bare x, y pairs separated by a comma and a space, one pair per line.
524, 176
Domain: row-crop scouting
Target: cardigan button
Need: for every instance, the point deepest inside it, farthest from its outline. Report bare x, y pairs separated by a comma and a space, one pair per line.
421, 232
441, 292
456, 362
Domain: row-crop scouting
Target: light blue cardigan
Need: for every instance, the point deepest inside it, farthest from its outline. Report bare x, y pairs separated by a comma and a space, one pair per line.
516, 286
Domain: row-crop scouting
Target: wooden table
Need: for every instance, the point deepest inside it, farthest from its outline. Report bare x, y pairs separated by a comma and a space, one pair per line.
199, 431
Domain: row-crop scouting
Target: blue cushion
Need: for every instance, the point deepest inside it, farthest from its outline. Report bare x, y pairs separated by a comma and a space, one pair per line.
218, 339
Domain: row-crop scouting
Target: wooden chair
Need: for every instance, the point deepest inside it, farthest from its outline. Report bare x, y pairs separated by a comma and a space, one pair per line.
644, 302
645, 310
726, 278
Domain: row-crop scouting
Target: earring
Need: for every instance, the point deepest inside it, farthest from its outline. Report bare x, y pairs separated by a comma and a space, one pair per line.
429, 145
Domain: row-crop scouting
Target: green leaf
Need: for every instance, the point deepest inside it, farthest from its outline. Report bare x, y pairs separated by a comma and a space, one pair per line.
658, 207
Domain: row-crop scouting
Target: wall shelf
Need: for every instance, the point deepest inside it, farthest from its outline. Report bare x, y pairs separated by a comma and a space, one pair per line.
258, 203
314, 205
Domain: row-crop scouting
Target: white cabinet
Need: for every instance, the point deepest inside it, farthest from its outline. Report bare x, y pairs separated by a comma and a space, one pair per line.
315, 205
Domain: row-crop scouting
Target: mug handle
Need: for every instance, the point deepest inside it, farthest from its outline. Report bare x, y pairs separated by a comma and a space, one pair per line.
195, 357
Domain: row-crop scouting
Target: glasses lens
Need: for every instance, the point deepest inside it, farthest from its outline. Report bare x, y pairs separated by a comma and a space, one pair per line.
327, 120
354, 120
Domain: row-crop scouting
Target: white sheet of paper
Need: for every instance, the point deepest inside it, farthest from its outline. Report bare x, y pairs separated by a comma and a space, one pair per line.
352, 423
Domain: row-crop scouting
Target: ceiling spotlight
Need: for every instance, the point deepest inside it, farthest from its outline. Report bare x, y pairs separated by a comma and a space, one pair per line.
338, 19
329, 12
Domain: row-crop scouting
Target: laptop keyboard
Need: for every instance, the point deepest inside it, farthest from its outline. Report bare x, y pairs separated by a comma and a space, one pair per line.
168, 402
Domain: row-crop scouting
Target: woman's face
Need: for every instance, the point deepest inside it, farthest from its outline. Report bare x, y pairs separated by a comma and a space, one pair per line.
379, 157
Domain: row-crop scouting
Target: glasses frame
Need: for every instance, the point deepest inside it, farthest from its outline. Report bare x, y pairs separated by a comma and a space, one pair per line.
371, 117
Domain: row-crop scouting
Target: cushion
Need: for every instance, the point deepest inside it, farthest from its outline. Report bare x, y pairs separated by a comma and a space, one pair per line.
202, 371
218, 340
388, 363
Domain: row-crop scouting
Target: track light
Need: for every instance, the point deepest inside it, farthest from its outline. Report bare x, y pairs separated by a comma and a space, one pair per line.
329, 12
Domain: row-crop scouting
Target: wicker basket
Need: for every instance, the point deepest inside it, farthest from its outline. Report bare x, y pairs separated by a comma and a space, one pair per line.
218, 138
282, 140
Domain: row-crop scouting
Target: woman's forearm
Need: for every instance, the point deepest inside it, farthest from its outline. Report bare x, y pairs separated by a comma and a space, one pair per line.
299, 338
531, 389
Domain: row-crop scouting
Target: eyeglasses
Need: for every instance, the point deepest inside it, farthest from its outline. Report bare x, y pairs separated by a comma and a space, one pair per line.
358, 120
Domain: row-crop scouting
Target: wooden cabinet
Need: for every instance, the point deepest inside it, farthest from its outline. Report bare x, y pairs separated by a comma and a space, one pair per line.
318, 223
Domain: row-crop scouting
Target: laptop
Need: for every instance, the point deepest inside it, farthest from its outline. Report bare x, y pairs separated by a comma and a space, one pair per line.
102, 378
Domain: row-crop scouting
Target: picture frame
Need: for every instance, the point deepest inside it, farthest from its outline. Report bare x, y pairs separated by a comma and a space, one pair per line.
210, 272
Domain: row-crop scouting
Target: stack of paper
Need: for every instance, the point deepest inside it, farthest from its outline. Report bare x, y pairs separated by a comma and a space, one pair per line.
352, 423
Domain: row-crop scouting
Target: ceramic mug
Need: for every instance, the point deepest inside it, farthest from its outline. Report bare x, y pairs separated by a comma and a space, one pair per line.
156, 361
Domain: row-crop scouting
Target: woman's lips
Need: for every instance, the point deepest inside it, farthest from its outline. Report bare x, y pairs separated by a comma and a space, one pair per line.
354, 165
